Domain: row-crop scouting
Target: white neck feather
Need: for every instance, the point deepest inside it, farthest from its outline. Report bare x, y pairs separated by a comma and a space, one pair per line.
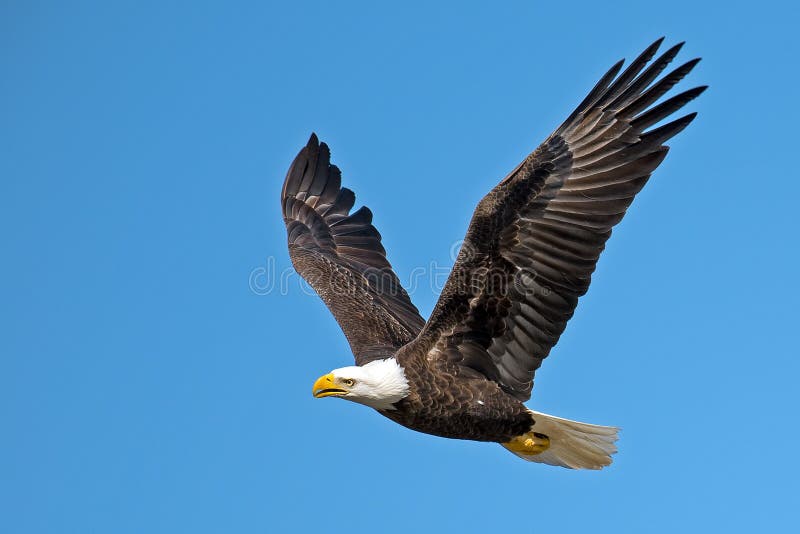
378, 384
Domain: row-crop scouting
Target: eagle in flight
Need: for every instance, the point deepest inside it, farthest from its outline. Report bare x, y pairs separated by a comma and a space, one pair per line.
527, 257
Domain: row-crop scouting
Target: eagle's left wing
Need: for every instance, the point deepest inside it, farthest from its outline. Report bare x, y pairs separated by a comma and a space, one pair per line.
340, 254
534, 240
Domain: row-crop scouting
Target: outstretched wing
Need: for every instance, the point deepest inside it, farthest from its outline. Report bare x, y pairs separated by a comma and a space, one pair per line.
340, 254
534, 240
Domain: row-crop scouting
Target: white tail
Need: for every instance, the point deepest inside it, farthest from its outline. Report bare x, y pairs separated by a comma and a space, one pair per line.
571, 444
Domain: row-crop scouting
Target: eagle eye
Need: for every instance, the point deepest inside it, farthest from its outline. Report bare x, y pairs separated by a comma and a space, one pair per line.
349, 382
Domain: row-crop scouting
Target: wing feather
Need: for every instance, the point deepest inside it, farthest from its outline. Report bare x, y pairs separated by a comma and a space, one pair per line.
341, 256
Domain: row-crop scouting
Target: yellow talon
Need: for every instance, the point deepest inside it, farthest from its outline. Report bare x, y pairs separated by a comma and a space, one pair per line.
530, 443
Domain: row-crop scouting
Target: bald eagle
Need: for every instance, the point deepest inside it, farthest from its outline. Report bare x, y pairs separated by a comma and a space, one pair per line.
527, 257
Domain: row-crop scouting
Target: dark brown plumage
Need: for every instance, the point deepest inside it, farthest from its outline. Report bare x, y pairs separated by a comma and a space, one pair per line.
527, 257
340, 254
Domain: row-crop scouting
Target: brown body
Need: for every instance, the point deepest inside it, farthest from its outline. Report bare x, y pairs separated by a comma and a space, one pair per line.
444, 402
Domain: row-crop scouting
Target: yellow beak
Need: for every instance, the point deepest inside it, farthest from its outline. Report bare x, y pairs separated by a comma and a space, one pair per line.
326, 386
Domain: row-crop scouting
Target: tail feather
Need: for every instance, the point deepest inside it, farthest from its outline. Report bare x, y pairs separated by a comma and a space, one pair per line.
572, 444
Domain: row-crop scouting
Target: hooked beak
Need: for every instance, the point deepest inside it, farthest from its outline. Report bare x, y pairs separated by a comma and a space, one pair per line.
325, 386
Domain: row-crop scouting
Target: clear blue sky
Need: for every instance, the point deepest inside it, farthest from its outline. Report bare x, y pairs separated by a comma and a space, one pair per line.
145, 387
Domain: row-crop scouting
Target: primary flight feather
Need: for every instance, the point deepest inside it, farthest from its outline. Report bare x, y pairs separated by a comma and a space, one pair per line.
527, 257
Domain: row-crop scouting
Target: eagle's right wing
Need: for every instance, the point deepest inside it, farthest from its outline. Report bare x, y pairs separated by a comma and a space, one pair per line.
340, 254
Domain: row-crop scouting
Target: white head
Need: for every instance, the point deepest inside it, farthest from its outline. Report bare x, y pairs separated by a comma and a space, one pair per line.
378, 384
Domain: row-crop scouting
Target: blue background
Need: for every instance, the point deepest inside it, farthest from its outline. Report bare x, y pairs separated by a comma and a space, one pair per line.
151, 378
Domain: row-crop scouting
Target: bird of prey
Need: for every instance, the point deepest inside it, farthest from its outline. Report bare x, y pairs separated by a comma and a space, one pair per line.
528, 255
